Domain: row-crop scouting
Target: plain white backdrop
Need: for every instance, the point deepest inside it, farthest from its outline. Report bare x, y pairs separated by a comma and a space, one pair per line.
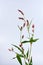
9, 33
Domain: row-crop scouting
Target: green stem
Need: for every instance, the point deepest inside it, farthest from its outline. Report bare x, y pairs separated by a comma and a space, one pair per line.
30, 48
30, 52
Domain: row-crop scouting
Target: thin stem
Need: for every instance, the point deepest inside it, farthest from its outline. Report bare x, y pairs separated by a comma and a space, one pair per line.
20, 36
29, 34
30, 48
30, 52
24, 60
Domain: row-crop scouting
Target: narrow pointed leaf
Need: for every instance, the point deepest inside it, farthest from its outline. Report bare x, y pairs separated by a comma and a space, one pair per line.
31, 40
24, 41
17, 48
26, 63
20, 55
19, 59
27, 53
30, 61
34, 40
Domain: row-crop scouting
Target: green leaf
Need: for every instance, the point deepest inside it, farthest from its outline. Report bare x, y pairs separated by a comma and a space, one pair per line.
30, 61
34, 40
24, 41
27, 53
31, 40
20, 55
28, 27
17, 48
26, 63
19, 59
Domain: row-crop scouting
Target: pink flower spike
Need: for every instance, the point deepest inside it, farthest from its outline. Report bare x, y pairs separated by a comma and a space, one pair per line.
9, 49
24, 25
21, 12
27, 22
33, 26
21, 28
22, 36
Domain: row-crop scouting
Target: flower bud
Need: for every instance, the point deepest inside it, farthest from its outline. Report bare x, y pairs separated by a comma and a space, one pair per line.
21, 28
21, 12
20, 45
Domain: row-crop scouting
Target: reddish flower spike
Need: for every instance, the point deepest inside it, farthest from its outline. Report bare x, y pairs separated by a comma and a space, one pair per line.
24, 25
21, 12
33, 26
21, 28
9, 49
21, 18
27, 22
22, 36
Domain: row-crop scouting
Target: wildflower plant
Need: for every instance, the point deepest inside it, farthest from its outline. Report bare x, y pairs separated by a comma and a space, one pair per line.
27, 56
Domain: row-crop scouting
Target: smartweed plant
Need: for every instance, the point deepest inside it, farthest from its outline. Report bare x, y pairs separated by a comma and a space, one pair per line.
27, 56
